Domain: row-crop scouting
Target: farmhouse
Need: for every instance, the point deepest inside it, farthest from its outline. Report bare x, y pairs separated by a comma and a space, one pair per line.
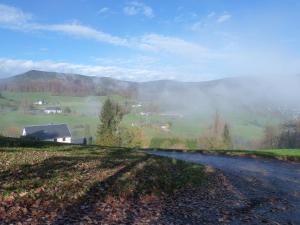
136, 106
39, 102
52, 132
53, 110
165, 127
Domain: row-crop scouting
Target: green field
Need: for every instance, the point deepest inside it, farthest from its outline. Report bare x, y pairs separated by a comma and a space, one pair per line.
245, 126
84, 111
43, 183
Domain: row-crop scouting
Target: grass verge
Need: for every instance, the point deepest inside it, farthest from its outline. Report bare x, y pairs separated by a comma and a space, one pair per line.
280, 154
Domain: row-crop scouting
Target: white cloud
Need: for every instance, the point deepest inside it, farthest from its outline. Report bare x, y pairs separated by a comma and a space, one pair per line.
155, 42
211, 14
130, 11
185, 17
82, 31
168, 50
223, 18
197, 26
9, 67
12, 16
103, 10
210, 20
151, 42
135, 8
177, 47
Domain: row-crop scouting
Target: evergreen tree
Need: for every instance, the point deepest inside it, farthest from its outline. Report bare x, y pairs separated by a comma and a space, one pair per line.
226, 137
108, 133
217, 128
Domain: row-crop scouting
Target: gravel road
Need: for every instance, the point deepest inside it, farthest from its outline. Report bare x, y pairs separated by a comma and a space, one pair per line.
256, 191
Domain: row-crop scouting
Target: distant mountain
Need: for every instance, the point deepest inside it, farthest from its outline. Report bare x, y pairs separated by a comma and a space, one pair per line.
76, 84
247, 93
66, 84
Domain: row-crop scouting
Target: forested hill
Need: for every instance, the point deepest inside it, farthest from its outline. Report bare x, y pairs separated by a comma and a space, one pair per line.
250, 93
76, 84
66, 84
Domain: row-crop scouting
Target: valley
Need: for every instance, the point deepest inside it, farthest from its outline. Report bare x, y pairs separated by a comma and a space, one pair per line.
177, 111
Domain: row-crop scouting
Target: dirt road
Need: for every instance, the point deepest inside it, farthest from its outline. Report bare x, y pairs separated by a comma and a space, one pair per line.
256, 191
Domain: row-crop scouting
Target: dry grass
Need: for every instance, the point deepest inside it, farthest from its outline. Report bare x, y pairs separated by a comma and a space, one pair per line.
41, 183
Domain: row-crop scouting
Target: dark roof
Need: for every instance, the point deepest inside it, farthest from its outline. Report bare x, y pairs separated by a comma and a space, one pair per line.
44, 132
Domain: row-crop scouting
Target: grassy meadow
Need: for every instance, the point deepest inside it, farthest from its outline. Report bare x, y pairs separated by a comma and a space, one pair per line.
14, 115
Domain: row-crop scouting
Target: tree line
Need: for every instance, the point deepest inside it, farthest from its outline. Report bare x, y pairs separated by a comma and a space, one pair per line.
217, 136
110, 131
69, 87
286, 135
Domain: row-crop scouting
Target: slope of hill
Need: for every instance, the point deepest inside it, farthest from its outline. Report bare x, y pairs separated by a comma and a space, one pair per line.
248, 104
259, 94
66, 84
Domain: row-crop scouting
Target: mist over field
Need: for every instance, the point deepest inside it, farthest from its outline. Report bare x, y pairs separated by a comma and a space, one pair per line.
266, 92
161, 108
182, 73
149, 112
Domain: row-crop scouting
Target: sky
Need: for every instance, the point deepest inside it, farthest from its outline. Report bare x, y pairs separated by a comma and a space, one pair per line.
187, 40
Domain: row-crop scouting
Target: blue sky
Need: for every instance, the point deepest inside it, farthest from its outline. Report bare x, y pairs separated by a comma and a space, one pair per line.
189, 40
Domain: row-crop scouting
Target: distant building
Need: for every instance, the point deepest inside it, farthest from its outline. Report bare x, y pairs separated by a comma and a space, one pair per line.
39, 102
136, 106
144, 113
52, 132
165, 127
53, 110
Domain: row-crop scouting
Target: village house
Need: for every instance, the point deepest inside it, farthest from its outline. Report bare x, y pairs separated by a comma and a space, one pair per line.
39, 102
51, 132
136, 106
144, 113
53, 110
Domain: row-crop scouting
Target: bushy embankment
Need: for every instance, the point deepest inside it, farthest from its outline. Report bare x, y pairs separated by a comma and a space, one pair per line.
23, 142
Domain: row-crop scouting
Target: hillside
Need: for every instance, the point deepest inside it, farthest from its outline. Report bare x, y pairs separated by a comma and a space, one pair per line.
250, 93
66, 84
75, 184
46, 183
248, 104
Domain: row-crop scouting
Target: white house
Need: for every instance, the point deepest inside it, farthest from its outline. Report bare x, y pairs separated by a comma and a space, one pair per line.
52, 132
136, 106
39, 102
53, 110
144, 113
